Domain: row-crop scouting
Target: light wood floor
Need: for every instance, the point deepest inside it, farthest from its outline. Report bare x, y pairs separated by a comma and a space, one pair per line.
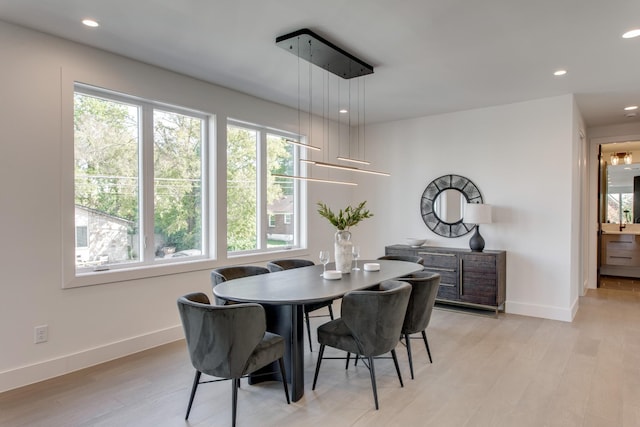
510, 371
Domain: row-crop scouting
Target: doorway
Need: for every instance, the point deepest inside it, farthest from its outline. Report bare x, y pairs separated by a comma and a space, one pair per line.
619, 210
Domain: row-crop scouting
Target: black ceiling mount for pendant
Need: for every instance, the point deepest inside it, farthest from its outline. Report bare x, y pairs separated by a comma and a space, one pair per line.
313, 48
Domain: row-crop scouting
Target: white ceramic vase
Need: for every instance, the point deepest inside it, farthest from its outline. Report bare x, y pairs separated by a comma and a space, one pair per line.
343, 251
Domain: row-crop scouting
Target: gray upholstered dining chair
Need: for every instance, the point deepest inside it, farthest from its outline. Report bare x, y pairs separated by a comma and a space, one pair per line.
424, 289
228, 342
369, 326
409, 258
223, 274
286, 264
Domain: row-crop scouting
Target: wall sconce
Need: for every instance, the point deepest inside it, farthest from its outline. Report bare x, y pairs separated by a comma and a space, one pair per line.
619, 158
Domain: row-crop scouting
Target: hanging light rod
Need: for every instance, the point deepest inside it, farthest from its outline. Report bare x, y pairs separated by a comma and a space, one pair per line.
343, 167
347, 159
311, 47
306, 178
300, 144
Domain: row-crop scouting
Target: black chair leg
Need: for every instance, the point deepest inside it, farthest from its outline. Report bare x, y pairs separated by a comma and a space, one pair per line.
284, 379
395, 362
196, 381
234, 401
372, 372
348, 358
306, 316
330, 311
408, 341
315, 377
426, 343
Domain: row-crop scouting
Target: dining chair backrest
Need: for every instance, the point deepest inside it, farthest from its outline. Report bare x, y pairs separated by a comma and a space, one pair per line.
223, 274
424, 289
220, 339
287, 264
375, 317
409, 258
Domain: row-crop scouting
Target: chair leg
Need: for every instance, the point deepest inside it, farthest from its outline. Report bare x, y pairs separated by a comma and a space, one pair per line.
395, 362
234, 401
330, 311
315, 377
306, 316
408, 341
348, 358
196, 381
372, 372
426, 344
284, 379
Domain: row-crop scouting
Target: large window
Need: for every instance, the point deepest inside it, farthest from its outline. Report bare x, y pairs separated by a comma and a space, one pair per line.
138, 175
257, 202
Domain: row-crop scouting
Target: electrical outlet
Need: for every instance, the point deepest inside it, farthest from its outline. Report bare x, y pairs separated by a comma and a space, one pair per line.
40, 334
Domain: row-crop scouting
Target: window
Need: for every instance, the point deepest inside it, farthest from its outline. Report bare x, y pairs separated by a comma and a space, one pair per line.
138, 181
81, 237
287, 218
255, 199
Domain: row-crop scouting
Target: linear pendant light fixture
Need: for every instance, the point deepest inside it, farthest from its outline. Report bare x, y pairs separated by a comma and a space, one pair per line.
343, 167
349, 159
307, 178
301, 144
307, 45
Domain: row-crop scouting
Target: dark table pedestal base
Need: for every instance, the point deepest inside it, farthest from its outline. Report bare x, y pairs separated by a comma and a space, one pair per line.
286, 321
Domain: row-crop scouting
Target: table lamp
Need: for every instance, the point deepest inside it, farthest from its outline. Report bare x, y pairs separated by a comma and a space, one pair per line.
477, 213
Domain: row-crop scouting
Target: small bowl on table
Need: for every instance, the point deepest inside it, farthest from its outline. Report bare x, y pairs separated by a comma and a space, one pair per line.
414, 242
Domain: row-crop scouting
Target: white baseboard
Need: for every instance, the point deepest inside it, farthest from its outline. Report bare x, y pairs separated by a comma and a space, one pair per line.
543, 311
51, 368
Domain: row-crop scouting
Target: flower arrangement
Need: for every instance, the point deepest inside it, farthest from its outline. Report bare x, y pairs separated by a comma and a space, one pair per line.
346, 218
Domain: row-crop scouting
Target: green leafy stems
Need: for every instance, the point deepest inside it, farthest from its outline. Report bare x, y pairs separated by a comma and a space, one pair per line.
346, 218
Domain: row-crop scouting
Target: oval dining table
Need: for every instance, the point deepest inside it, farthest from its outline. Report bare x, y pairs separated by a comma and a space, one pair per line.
284, 293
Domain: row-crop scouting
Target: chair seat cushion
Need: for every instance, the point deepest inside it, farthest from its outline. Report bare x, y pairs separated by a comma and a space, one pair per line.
336, 334
269, 349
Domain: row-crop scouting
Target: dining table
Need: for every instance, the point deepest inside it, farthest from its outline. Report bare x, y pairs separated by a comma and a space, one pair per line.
283, 294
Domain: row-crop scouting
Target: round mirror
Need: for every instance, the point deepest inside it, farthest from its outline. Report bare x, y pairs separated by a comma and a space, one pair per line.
442, 205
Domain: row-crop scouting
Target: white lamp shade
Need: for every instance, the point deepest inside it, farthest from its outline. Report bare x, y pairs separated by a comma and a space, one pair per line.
477, 213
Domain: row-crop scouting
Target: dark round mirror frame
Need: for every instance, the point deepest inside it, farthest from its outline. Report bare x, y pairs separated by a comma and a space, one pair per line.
447, 182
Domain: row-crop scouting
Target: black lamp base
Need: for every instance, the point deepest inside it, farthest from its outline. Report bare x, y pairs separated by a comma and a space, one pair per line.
476, 243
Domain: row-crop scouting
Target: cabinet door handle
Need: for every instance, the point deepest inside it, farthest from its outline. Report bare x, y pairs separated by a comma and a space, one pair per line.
435, 253
621, 257
448, 285
450, 270
461, 277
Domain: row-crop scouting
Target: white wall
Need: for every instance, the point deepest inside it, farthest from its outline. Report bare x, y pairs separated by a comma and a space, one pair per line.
89, 325
520, 157
516, 154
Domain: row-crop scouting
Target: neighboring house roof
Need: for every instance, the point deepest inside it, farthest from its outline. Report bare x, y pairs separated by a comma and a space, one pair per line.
106, 215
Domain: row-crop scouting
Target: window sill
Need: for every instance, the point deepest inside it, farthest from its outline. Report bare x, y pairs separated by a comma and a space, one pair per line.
148, 271
134, 273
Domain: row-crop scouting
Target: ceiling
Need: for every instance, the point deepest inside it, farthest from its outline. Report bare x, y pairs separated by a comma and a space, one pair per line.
430, 56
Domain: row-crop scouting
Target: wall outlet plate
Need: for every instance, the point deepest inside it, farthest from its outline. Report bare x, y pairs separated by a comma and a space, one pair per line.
40, 334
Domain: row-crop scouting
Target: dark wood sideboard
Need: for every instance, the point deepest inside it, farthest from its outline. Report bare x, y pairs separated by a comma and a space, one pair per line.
471, 279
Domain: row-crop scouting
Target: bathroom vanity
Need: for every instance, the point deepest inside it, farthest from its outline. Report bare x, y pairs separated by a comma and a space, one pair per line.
620, 250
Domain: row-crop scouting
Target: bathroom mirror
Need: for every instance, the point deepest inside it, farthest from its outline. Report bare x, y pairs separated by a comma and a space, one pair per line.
442, 205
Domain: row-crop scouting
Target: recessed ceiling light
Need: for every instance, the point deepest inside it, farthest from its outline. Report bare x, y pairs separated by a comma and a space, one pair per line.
560, 72
631, 34
343, 111
90, 22
631, 107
